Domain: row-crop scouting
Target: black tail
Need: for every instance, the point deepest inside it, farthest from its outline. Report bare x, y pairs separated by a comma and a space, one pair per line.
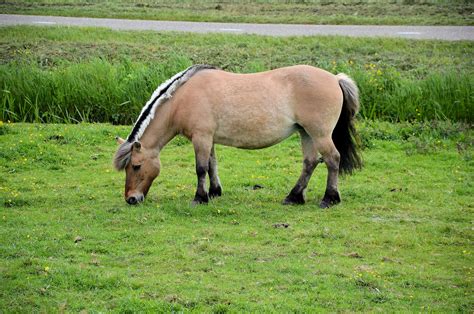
344, 135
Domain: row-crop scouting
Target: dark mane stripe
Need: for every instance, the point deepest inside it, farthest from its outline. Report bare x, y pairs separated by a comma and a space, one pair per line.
149, 107
147, 110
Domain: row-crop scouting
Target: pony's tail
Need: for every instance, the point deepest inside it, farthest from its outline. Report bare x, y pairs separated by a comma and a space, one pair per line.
344, 135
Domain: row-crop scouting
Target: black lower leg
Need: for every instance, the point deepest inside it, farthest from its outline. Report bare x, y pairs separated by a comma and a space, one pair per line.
201, 198
295, 197
331, 196
201, 194
215, 188
296, 194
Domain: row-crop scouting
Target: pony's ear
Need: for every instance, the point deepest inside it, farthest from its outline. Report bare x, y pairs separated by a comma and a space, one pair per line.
119, 140
137, 146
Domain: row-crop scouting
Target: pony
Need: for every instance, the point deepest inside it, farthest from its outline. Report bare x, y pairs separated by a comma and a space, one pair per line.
251, 111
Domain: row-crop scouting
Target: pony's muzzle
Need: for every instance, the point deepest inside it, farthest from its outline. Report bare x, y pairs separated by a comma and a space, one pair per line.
134, 200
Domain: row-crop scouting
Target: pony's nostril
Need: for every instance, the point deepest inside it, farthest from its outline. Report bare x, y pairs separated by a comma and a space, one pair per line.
132, 200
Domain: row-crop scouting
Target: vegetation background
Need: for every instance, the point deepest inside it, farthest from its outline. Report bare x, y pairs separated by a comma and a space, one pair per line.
350, 12
97, 75
400, 241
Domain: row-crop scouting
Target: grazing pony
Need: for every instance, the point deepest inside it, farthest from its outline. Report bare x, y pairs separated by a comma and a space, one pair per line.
210, 106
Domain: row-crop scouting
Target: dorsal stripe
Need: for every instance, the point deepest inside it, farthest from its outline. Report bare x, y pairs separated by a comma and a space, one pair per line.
158, 98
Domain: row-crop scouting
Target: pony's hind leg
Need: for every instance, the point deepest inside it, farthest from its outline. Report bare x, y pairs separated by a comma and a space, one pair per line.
215, 188
202, 149
331, 157
310, 161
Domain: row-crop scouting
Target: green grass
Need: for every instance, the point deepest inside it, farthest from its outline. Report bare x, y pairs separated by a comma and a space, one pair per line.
96, 75
406, 12
400, 241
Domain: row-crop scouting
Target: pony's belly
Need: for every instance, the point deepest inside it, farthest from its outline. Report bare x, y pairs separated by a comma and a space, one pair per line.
253, 136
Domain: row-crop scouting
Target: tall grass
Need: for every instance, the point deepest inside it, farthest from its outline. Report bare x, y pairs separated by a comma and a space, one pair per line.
101, 91
386, 95
93, 91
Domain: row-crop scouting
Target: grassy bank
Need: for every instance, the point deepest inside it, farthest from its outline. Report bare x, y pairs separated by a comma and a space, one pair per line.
98, 75
400, 241
428, 12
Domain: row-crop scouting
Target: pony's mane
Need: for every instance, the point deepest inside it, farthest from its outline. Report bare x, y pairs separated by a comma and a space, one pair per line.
164, 92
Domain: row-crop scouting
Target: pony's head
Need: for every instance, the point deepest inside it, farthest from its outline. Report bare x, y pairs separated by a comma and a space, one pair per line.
141, 167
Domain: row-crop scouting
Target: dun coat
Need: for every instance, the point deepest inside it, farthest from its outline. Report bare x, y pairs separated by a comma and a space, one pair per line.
251, 111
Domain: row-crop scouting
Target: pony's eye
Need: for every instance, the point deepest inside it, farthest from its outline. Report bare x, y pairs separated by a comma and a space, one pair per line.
136, 167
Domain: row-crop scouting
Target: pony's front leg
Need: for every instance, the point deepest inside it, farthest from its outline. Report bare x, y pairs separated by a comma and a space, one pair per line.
202, 150
215, 188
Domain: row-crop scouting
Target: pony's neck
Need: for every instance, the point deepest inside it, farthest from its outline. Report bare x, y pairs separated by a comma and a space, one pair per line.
160, 130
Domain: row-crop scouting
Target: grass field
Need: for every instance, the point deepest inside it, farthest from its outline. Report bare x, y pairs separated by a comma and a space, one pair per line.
96, 75
400, 241
401, 12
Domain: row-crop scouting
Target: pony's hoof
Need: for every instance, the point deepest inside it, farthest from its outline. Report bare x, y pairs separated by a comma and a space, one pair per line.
200, 199
215, 192
293, 199
330, 199
324, 204
197, 202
